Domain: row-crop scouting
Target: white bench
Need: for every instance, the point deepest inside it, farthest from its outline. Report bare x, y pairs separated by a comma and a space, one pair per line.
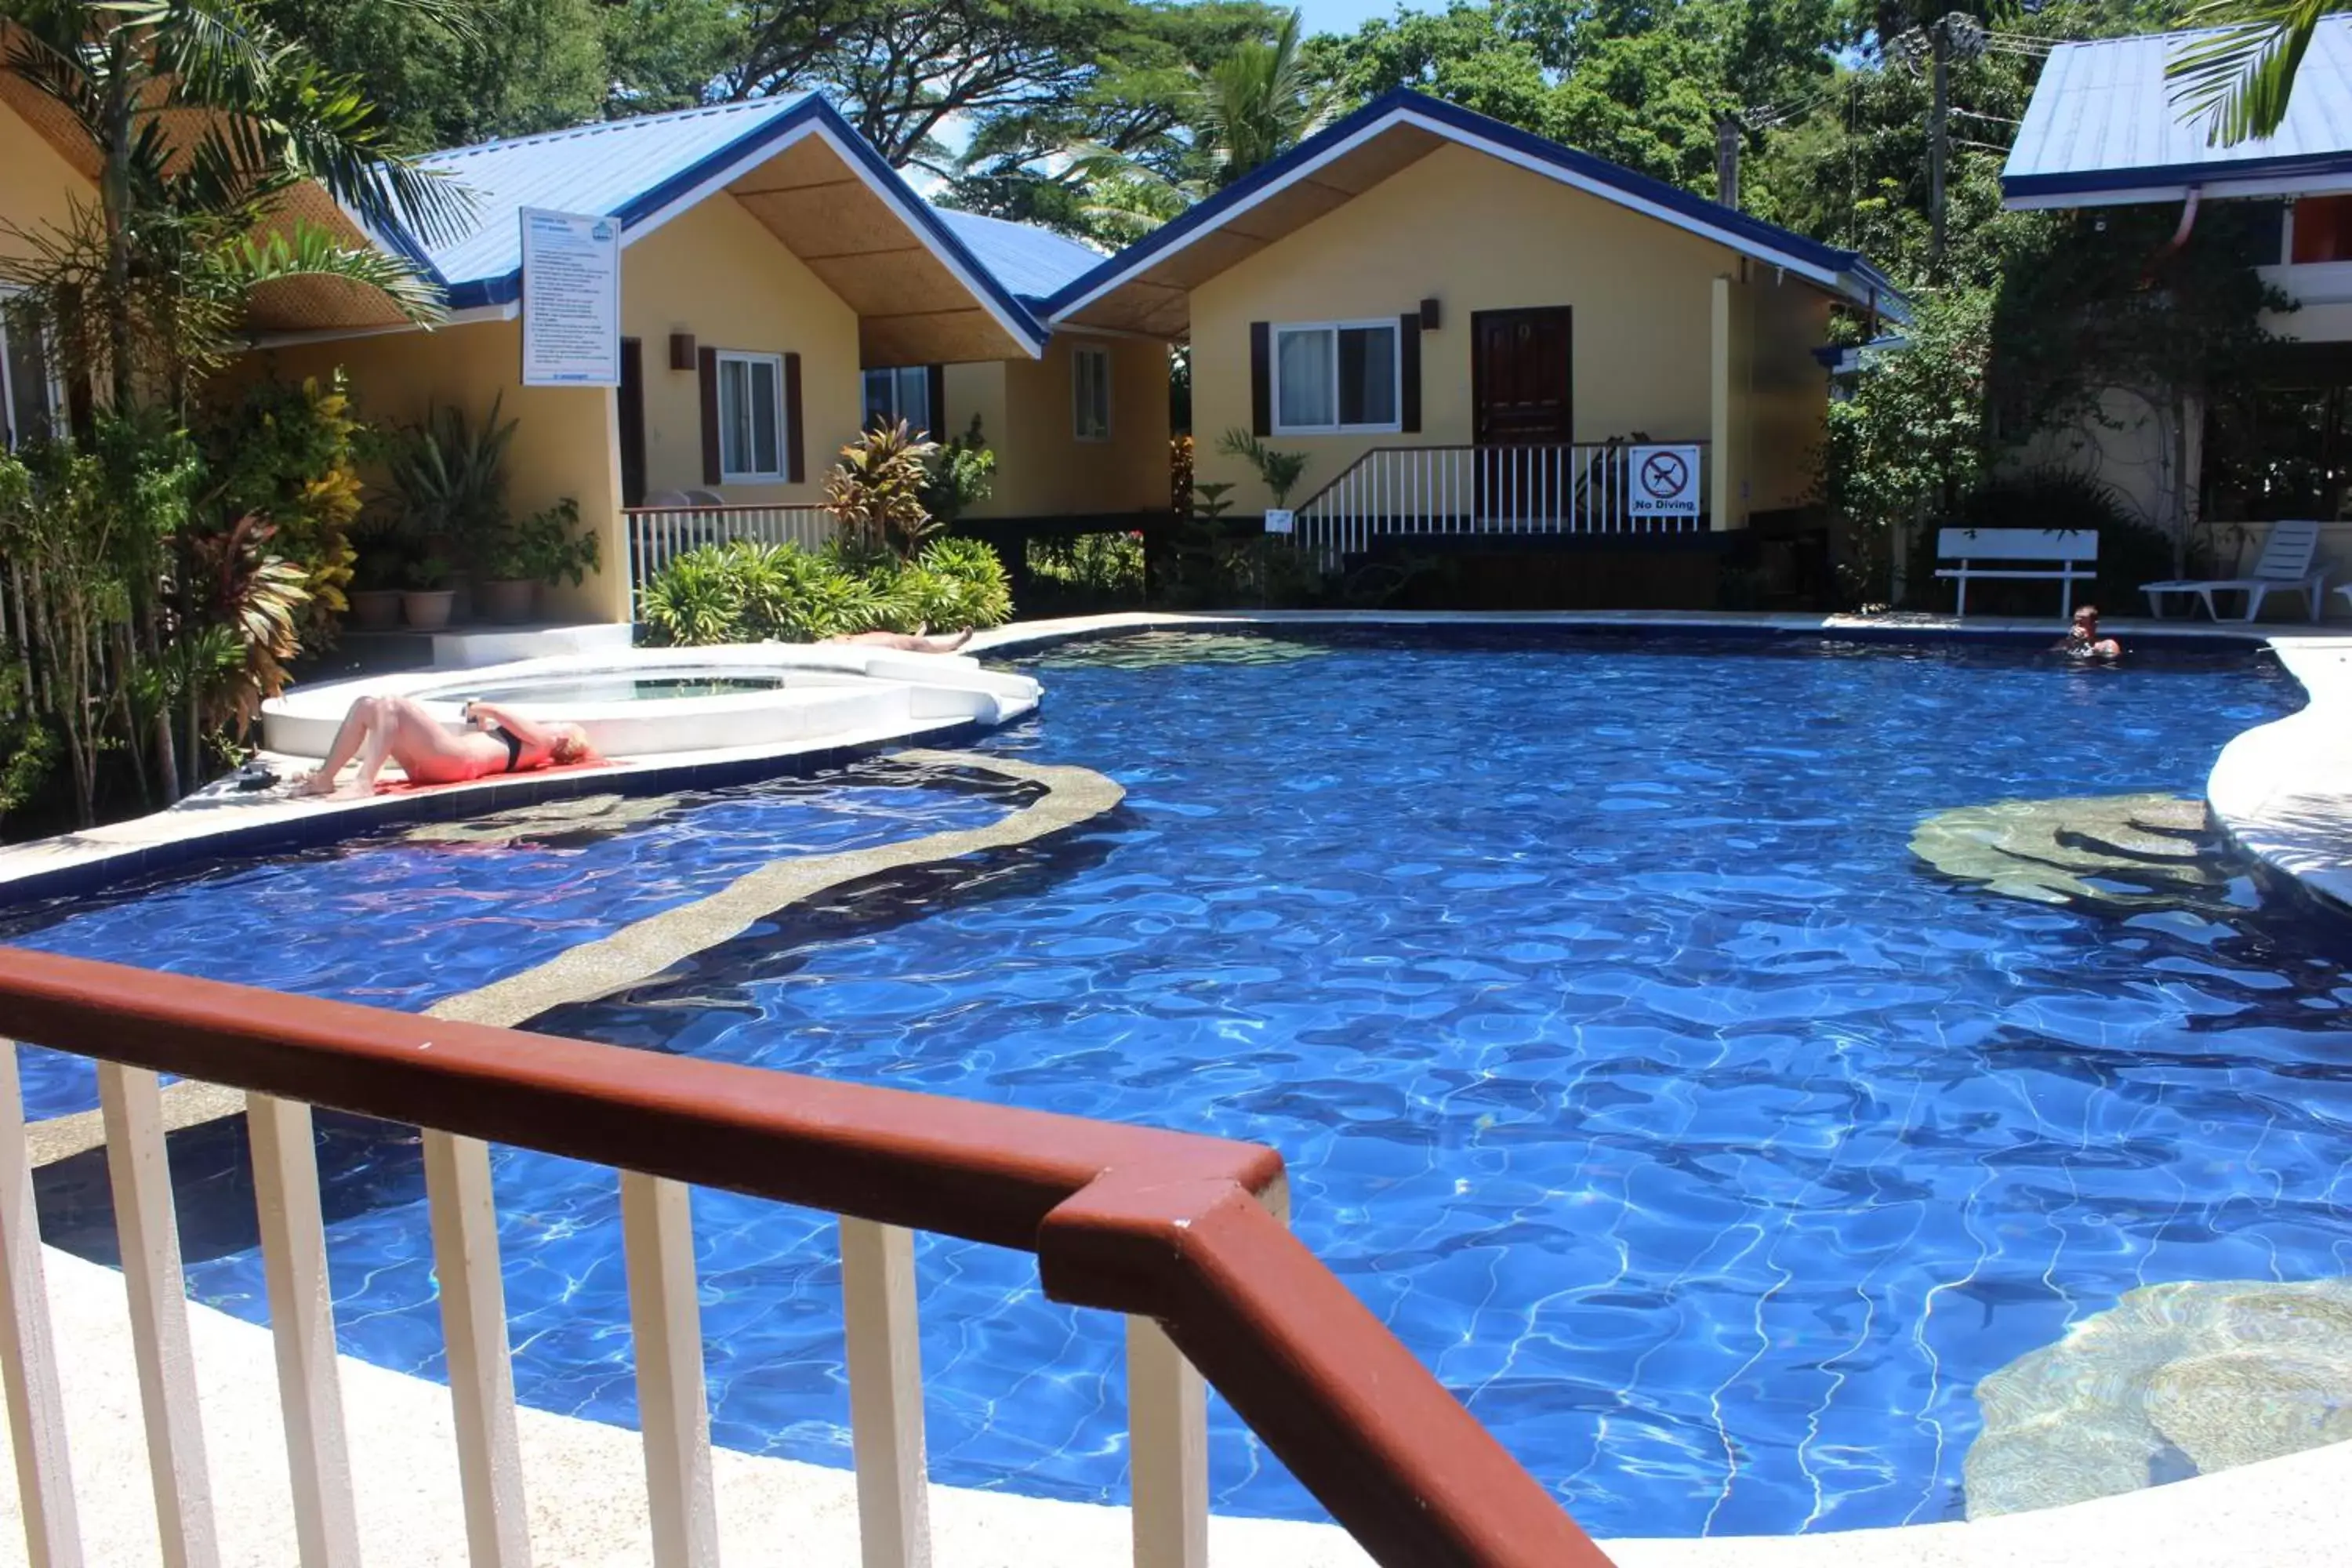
2057, 553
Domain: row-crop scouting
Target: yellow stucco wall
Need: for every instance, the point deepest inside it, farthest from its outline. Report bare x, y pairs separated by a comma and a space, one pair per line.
717, 272
37, 188
1477, 233
565, 441
1027, 413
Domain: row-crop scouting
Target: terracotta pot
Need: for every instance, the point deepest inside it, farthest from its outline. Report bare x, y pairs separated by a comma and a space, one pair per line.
375, 609
427, 608
508, 599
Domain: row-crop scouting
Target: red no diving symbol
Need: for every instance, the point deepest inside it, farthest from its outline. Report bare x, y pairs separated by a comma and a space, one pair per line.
1663, 475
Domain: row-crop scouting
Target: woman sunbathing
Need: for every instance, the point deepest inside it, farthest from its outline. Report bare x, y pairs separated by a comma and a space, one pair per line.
401, 729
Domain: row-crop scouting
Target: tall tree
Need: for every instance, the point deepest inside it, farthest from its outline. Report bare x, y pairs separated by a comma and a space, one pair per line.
1259, 102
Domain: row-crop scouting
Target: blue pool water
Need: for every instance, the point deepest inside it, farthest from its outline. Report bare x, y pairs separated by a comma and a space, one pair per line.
1626, 1059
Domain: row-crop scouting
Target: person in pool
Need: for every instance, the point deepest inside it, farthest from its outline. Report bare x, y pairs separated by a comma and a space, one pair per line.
2083, 641
399, 729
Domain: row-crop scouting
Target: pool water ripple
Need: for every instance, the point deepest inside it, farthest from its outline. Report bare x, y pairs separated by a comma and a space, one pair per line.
1626, 1061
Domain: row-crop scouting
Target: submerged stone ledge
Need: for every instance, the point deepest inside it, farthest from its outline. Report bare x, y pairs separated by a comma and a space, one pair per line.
640, 951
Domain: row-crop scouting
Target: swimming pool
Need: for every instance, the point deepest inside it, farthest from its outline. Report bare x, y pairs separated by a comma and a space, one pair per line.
1626, 1059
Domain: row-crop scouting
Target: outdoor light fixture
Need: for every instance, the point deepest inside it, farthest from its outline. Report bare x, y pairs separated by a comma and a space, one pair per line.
1429, 315
681, 351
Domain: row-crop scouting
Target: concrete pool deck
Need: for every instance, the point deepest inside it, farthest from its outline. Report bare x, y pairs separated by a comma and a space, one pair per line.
2284, 800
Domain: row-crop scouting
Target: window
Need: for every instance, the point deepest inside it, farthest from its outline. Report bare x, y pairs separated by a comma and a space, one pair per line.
901, 394
28, 394
1090, 393
1335, 375
2322, 227
750, 416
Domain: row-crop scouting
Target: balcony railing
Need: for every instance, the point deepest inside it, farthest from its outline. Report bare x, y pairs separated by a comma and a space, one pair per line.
659, 534
1181, 1233
1417, 491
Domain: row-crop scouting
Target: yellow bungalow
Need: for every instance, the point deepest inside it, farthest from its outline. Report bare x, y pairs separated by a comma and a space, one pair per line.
770, 256
1454, 320
43, 169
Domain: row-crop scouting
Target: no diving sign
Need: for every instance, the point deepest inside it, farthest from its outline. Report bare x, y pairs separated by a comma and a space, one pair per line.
1663, 482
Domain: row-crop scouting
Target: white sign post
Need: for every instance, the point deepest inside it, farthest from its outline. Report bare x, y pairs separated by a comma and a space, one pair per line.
571, 299
1662, 482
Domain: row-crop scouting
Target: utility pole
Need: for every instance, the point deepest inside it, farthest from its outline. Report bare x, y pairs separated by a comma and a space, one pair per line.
1940, 139
1726, 160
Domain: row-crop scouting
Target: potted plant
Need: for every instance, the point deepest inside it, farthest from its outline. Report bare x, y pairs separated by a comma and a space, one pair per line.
543, 548
429, 598
375, 592
1280, 472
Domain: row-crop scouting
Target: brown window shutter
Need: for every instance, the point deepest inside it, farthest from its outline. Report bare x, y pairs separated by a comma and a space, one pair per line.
1262, 378
940, 426
707, 372
1409, 370
795, 462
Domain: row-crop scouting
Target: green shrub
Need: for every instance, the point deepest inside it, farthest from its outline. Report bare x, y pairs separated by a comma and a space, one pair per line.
754, 593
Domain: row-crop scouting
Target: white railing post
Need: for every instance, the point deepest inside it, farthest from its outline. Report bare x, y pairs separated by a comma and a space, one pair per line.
1168, 1451
474, 1332
886, 1394
673, 1408
131, 1105
302, 1324
28, 1361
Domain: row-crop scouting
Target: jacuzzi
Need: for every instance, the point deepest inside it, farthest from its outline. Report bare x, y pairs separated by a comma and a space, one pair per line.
648, 701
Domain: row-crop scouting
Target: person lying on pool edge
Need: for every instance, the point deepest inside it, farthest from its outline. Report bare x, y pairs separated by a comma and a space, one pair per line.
903, 642
401, 729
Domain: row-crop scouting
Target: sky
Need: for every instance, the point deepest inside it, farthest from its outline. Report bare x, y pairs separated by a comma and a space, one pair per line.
1345, 15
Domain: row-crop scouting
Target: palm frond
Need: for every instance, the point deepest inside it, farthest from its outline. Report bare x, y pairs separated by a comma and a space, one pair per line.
305, 250
2238, 81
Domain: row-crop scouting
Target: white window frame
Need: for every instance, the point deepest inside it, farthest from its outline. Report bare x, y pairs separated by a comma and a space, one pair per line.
898, 400
10, 437
1274, 376
1082, 426
775, 363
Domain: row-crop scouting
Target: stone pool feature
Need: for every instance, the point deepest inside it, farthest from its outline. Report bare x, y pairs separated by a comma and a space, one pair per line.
2175, 1380
2121, 851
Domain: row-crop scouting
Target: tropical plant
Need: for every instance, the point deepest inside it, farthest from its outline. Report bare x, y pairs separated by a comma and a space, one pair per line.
959, 475
244, 606
202, 119
2238, 81
448, 478
875, 491
285, 455
1280, 471
965, 586
1260, 102
696, 600
545, 547
742, 592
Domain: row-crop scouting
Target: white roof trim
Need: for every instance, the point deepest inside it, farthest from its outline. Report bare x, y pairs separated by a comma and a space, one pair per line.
1407, 116
467, 318
2220, 189
915, 224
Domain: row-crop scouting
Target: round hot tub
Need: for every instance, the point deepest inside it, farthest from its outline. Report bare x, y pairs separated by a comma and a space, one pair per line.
651, 701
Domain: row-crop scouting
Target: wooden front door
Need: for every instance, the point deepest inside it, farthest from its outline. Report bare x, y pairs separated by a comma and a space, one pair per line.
1522, 379
633, 422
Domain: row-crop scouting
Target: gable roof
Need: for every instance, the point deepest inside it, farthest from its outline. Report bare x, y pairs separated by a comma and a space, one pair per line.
1349, 157
2102, 129
646, 170
1031, 262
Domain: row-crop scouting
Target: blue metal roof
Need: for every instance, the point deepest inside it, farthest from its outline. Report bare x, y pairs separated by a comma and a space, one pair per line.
633, 169
1768, 241
2102, 124
1031, 262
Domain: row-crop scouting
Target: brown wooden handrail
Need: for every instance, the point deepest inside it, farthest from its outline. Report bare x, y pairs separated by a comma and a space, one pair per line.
1164, 1224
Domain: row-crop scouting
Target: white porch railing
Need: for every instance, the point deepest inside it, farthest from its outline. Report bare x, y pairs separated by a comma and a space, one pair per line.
659, 534
1412, 492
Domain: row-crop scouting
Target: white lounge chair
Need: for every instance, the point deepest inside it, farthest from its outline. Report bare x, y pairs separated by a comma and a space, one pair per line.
2284, 566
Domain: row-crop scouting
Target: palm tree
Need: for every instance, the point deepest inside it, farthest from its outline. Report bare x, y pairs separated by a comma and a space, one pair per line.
1258, 103
203, 119
2237, 82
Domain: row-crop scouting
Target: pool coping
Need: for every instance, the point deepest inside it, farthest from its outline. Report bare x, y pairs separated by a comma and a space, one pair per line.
2267, 793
